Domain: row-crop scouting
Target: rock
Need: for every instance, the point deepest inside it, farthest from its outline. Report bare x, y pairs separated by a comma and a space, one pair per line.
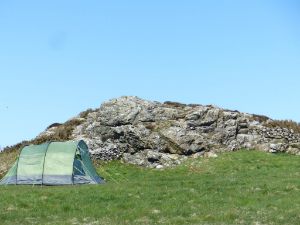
210, 155
273, 151
154, 134
278, 147
197, 155
243, 131
153, 159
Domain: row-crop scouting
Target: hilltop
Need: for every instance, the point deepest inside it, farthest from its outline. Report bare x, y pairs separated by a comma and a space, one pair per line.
217, 185
157, 135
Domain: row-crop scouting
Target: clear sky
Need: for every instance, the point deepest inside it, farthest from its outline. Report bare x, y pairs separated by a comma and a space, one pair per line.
59, 57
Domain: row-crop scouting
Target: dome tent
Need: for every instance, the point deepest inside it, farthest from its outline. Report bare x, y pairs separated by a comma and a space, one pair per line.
53, 163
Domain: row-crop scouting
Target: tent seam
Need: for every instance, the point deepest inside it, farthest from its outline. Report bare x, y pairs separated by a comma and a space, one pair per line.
44, 162
18, 167
77, 146
18, 164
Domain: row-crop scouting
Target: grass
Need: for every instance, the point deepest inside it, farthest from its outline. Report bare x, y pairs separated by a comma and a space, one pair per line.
244, 187
7, 159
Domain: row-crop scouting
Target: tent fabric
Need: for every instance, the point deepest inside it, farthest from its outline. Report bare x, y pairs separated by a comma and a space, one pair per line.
58, 168
11, 176
53, 163
30, 164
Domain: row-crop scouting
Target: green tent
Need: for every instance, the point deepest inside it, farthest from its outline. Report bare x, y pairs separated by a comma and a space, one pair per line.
53, 163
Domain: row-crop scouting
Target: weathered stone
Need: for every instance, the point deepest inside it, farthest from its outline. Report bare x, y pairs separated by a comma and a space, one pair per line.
210, 155
154, 134
198, 155
278, 147
153, 159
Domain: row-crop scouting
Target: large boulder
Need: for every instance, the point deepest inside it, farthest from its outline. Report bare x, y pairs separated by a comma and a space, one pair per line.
157, 134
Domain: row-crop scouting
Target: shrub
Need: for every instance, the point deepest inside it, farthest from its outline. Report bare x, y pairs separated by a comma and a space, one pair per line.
175, 104
260, 118
54, 125
85, 113
289, 124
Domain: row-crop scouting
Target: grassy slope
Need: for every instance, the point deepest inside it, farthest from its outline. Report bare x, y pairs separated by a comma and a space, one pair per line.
245, 187
7, 159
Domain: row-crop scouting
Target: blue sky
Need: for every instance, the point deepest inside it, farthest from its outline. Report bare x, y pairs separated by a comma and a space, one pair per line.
58, 58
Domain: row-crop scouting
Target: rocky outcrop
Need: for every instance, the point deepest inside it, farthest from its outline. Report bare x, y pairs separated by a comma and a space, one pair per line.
157, 134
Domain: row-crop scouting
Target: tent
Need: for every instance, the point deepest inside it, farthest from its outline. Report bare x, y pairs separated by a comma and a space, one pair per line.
53, 163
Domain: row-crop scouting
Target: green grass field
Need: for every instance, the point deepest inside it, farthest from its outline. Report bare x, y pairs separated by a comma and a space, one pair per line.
244, 187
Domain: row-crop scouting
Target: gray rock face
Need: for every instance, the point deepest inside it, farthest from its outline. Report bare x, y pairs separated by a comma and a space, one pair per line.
153, 159
157, 134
